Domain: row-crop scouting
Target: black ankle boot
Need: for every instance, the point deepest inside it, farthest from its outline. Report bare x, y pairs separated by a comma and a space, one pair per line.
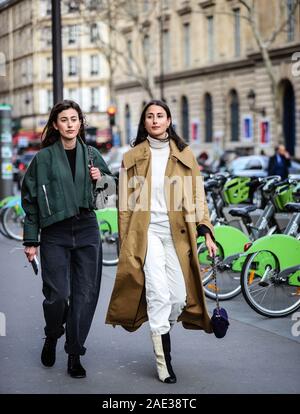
162, 350
75, 369
48, 352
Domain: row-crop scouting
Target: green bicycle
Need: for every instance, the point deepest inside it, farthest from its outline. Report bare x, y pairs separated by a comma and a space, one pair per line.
270, 277
231, 241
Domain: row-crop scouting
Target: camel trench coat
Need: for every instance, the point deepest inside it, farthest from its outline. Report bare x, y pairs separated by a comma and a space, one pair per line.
187, 208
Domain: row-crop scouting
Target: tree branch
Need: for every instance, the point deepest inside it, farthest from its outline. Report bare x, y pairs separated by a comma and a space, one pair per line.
246, 5
282, 25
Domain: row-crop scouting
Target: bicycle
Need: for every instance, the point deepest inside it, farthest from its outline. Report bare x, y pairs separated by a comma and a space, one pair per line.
12, 218
230, 241
270, 277
108, 226
3, 202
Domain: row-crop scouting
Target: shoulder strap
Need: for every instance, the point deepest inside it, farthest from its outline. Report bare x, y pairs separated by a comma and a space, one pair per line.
215, 281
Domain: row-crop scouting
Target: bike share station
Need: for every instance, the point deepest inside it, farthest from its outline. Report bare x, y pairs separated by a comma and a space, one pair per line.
260, 258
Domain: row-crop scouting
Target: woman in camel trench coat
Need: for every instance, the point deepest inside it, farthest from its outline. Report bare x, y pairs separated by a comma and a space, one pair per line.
187, 215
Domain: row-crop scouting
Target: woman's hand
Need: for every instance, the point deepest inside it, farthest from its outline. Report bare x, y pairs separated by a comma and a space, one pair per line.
211, 246
95, 173
30, 252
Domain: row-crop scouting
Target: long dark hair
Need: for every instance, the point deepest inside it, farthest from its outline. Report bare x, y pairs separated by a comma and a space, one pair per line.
50, 135
142, 132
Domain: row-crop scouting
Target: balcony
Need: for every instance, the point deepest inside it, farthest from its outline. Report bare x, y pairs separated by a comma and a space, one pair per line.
206, 3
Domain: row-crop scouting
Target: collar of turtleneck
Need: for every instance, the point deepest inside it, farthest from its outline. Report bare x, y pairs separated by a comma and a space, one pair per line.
157, 142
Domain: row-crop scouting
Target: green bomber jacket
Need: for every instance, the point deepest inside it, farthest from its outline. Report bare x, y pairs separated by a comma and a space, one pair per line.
49, 193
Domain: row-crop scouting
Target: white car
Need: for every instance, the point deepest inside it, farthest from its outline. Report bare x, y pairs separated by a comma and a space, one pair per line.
250, 166
257, 166
115, 159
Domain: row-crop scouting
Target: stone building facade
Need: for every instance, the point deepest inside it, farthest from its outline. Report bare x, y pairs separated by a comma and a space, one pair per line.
204, 61
26, 47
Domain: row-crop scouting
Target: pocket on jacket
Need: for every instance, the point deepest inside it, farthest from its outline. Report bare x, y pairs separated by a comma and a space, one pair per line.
50, 199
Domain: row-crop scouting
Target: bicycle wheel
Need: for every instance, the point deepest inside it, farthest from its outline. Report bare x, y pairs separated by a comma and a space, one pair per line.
13, 222
3, 202
110, 244
228, 279
264, 290
2, 231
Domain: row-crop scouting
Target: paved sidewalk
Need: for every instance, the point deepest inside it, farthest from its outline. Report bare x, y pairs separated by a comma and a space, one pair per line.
254, 357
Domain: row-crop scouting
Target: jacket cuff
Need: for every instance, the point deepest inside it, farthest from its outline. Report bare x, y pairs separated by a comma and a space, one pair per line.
31, 244
202, 230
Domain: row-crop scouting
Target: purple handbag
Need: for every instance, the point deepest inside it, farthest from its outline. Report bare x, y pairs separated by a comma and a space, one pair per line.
219, 319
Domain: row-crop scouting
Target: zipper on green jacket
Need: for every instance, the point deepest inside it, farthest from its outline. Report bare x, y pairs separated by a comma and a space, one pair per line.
46, 197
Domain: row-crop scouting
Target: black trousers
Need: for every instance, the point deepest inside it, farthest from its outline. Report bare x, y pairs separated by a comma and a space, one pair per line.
71, 263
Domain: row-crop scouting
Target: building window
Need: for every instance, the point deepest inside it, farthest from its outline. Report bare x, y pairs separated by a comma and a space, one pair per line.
48, 7
234, 116
49, 67
210, 38
130, 56
94, 64
185, 118
94, 99
291, 21
166, 50
165, 4
2, 65
127, 123
49, 100
47, 36
72, 94
146, 47
72, 65
93, 32
72, 6
208, 109
237, 33
24, 72
72, 34
145, 5
186, 45
45, 7
94, 4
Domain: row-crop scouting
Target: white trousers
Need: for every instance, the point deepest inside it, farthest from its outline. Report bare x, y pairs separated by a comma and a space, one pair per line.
165, 286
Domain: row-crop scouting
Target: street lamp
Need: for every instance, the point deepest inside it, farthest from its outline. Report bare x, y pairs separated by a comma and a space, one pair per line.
57, 52
251, 97
161, 49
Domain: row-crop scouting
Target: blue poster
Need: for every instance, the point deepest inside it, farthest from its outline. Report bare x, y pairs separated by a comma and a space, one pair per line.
248, 127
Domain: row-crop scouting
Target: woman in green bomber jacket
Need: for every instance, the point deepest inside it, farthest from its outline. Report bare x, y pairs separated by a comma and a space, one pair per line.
57, 197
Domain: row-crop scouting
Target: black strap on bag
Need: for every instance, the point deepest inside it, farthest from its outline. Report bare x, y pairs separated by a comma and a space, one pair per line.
99, 198
90, 156
219, 319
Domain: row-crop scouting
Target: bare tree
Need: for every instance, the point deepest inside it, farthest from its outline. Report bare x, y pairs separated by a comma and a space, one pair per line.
123, 21
265, 45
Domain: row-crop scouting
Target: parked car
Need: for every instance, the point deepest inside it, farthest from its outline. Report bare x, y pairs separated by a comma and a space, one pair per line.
249, 166
115, 160
257, 166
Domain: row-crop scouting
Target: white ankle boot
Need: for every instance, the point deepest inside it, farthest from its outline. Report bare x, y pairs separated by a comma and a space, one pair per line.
162, 350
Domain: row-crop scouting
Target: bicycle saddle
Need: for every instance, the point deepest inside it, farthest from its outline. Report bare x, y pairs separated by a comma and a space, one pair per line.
293, 207
242, 211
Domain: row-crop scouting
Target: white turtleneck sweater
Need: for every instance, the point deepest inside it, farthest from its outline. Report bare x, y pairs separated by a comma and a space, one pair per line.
159, 155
